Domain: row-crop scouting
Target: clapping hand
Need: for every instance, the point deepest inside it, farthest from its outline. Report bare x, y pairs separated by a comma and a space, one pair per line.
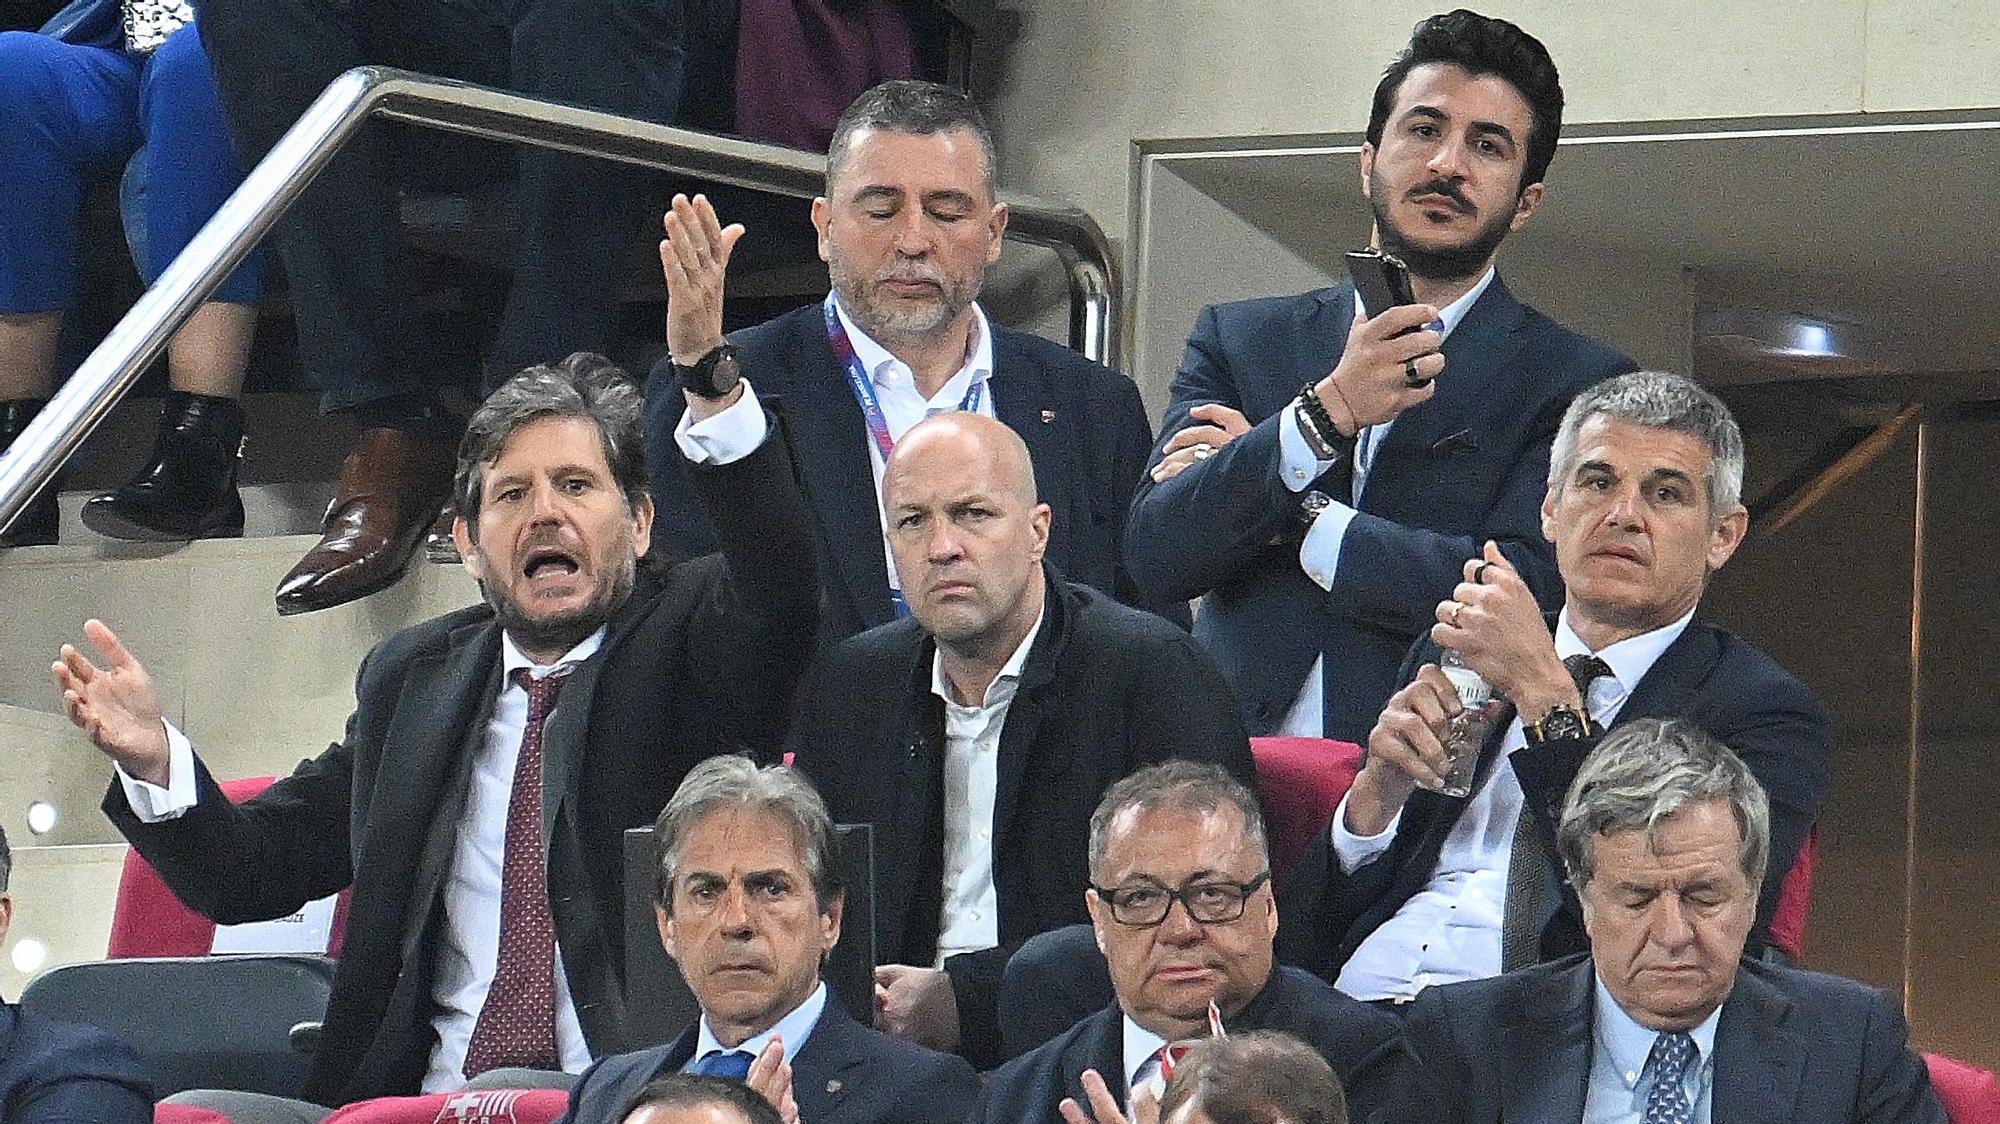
1104, 1107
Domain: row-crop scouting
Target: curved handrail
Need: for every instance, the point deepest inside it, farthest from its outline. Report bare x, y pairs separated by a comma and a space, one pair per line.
339, 112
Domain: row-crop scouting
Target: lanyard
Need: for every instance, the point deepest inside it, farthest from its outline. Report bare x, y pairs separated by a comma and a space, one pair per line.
864, 387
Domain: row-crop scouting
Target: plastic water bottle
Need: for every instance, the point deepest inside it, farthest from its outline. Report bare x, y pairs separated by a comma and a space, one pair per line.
1471, 726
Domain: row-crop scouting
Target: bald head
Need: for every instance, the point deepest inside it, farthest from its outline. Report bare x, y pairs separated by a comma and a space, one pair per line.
967, 532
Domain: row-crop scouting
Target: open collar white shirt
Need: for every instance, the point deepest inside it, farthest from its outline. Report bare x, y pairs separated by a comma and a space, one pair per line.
969, 920
1450, 930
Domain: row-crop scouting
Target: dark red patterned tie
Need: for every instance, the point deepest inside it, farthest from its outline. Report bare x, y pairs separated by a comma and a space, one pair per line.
517, 1023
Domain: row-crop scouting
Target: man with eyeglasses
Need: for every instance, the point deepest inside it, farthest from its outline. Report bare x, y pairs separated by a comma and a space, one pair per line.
1180, 898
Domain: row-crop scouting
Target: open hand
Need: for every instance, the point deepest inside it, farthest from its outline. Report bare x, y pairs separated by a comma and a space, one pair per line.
115, 705
694, 256
770, 1077
1104, 1107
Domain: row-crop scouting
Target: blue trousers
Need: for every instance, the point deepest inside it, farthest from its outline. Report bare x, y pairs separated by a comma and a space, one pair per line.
70, 117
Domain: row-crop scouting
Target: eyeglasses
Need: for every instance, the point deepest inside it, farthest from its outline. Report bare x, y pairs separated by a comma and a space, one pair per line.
1211, 903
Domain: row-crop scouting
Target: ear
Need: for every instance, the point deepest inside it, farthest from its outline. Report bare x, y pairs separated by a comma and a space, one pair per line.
996, 229
1531, 198
1549, 510
820, 215
665, 922
1727, 536
461, 534
642, 527
829, 923
6, 915
1039, 521
1367, 167
1100, 917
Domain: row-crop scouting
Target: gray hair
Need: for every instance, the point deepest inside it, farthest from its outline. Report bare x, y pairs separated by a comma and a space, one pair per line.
1188, 786
735, 781
907, 105
1256, 1077
1661, 401
1648, 769
6, 861
583, 385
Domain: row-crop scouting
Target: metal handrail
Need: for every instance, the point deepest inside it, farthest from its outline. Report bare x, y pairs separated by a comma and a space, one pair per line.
398, 95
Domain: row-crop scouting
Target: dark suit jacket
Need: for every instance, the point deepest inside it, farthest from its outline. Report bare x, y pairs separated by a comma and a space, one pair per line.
844, 1073
702, 659
1791, 1046
1105, 690
1469, 465
1707, 675
1359, 1041
61, 1073
1084, 425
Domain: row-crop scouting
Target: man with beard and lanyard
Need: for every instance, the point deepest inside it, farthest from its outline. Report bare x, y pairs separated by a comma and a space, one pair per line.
1323, 524
907, 227
486, 923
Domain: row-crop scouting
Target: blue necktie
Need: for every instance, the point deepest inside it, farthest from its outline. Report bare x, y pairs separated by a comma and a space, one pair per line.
1667, 1100
733, 1064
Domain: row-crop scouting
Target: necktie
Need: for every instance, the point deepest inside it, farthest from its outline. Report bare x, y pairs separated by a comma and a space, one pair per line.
733, 1064
1667, 1100
517, 1023
1159, 1069
1533, 888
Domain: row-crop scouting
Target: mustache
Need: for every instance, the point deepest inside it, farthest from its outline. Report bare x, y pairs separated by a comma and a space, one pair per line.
912, 271
1446, 188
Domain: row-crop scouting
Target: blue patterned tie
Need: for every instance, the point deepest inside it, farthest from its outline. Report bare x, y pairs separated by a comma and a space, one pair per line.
1667, 1101
735, 1064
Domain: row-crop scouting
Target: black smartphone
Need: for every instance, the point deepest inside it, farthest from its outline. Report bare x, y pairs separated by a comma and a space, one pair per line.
1382, 280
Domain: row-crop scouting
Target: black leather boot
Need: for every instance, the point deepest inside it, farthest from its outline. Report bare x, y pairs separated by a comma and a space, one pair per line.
188, 489
38, 521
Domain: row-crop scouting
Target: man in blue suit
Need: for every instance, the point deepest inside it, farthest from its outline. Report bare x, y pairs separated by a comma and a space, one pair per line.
749, 901
1665, 835
51, 1073
907, 227
1321, 525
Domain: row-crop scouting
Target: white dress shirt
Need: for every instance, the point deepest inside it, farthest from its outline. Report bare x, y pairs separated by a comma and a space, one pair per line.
1319, 554
1619, 1078
468, 954
1142, 1049
792, 1032
903, 405
1450, 930
970, 917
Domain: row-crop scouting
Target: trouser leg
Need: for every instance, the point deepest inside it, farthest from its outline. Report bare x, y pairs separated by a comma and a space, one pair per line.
190, 168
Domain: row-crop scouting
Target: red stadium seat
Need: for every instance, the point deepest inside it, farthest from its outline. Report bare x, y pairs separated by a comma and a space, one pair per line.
500, 1106
148, 920
1971, 1095
1788, 920
186, 1114
1300, 781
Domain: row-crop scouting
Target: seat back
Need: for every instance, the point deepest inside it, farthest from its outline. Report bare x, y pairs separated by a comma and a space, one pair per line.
200, 1022
658, 1004
1300, 781
148, 920
1788, 918
497, 1106
1970, 1095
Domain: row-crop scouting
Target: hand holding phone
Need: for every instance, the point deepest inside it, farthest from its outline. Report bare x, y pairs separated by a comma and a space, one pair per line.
1382, 280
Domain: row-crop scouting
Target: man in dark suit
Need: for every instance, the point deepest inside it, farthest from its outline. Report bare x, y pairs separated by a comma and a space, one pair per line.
1665, 834
1181, 902
496, 754
1321, 525
977, 736
907, 227
749, 901
53, 1073
1409, 886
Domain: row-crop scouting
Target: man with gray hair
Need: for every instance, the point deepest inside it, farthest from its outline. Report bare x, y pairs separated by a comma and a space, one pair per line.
1180, 898
1410, 887
1665, 837
748, 900
496, 754
907, 227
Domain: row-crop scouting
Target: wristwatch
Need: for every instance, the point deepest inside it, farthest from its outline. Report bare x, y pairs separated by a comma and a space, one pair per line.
1562, 722
714, 375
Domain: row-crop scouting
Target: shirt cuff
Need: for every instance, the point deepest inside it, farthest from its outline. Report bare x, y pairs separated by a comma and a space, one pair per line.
150, 802
1356, 851
1295, 458
1319, 554
727, 437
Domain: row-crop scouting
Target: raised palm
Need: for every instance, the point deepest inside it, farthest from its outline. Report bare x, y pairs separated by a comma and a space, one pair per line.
115, 704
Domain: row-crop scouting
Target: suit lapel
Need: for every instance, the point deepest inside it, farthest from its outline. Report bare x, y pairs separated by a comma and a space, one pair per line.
1760, 1062
1026, 404
1548, 1051
839, 472
1024, 715
1668, 690
825, 1064
1099, 1046
913, 833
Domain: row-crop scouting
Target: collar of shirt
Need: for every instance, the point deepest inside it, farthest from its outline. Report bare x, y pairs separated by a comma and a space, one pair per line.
1630, 1044
792, 1030
1140, 1046
1002, 688
1452, 313
512, 657
1629, 659
881, 365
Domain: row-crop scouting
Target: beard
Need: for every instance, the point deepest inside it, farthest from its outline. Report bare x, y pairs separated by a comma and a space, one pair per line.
566, 630
888, 319
1452, 263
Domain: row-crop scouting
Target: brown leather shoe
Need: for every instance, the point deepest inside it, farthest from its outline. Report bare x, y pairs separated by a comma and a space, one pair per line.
390, 487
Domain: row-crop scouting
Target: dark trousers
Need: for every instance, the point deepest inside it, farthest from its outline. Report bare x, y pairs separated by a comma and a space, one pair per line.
358, 334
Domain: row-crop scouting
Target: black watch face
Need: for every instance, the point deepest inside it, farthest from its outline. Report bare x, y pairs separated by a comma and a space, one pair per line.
1560, 724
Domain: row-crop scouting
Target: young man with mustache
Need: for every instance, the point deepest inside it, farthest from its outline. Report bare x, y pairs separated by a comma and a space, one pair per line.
1321, 524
